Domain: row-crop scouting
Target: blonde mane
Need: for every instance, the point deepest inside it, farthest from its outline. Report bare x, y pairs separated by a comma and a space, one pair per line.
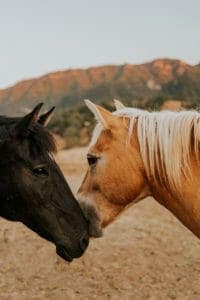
167, 142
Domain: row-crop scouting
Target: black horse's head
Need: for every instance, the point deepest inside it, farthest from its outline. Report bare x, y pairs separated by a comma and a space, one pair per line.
33, 190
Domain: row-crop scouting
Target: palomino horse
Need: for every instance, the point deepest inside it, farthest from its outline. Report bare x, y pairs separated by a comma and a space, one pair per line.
33, 189
134, 154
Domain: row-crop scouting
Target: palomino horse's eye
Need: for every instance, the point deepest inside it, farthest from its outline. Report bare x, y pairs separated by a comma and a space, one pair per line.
92, 160
41, 171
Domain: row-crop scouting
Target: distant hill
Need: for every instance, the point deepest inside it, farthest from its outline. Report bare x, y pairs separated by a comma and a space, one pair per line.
142, 85
147, 85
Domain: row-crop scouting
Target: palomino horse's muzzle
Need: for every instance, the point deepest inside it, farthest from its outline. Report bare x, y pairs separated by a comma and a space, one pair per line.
92, 216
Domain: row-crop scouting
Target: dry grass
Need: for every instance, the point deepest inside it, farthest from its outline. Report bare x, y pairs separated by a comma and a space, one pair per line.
145, 254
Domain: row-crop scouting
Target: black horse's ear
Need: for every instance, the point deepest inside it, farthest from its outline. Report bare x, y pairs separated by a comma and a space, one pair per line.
45, 118
25, 123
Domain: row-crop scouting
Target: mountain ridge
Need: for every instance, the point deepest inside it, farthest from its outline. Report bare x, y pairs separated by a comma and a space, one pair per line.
160, 78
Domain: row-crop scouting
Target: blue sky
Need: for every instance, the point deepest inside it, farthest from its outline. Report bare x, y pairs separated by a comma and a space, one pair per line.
38, 36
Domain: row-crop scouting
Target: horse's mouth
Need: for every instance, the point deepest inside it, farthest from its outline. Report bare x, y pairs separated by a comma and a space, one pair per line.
62, 252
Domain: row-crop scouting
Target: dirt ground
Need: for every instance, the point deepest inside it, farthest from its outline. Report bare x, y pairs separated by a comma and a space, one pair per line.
145, 254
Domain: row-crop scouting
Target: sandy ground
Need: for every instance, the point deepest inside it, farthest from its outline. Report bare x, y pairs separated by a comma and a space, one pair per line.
145, 254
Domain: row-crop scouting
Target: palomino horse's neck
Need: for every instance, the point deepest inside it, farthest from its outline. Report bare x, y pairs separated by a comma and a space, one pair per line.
170, 153
185, 206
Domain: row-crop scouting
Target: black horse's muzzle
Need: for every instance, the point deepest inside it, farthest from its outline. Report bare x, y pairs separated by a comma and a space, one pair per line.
69, 253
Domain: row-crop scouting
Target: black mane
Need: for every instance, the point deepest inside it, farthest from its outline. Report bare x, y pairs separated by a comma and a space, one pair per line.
39, 138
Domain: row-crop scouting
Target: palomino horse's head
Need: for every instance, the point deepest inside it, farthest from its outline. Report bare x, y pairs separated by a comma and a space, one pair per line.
115, 175
34, 190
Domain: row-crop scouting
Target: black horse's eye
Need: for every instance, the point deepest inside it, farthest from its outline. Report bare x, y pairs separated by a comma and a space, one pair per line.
92, 160
41, 171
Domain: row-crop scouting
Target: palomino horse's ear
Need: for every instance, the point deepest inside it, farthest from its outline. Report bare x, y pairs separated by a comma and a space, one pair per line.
102, 115
25, 123
118, 104
45, 118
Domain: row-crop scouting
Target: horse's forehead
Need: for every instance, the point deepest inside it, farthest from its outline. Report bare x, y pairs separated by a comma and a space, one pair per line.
101, 138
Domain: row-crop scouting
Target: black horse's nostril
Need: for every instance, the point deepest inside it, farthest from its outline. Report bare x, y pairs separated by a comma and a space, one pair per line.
83, 243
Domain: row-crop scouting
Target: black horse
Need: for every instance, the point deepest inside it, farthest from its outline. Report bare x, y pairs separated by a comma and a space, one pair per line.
33, 190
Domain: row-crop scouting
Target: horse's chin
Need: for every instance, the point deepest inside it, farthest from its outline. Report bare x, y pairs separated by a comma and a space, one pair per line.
62, 252
60, 249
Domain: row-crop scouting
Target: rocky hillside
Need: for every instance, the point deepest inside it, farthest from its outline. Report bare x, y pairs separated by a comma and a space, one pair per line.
142, 85
147, 86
